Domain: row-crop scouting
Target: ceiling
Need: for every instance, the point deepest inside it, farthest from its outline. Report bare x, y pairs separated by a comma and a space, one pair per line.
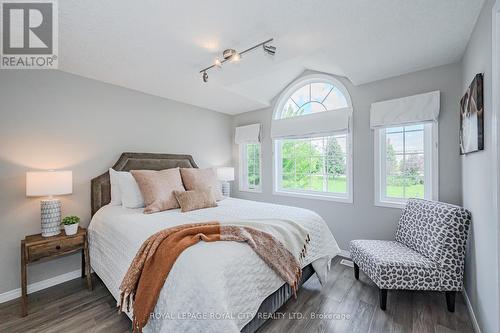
158, 47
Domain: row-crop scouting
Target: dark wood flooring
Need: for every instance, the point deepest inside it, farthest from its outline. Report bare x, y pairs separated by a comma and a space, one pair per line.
343, 305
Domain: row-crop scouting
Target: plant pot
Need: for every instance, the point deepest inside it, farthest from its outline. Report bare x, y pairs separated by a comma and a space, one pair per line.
71, 229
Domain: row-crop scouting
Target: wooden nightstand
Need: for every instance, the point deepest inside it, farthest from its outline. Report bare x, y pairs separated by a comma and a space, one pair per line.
36, 247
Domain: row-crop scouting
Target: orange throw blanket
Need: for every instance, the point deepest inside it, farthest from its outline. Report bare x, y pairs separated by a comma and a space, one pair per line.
146, 275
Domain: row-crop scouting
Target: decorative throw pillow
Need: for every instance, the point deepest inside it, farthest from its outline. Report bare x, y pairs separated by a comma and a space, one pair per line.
157, 188
195, 199
131, 194
116, 195
198, 179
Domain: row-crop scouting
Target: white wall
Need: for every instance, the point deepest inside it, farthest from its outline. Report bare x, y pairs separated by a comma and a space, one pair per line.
54, 120
481, 280
362, 219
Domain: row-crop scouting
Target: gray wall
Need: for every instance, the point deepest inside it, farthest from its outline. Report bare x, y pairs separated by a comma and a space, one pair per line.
362, 219
481, 280
54, 120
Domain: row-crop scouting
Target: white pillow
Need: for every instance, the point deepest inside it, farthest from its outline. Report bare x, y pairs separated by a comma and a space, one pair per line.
131, 194
116, 194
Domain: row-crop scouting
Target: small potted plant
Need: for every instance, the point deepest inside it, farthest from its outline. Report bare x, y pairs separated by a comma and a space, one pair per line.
70, 224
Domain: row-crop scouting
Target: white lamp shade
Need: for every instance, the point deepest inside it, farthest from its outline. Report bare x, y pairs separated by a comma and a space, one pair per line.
43, 183
225, 174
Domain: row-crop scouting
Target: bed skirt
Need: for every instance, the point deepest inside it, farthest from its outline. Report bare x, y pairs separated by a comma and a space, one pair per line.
275, 301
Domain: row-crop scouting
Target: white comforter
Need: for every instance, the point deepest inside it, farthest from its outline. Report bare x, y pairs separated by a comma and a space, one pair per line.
213, 287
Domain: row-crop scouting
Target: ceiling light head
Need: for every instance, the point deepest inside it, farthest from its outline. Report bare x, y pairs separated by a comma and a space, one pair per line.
205, 77
236, 57
228, 53
218, 62
231, 55
269, 49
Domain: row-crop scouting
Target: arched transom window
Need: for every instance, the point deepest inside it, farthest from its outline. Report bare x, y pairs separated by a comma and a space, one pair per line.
312, 98
312, 140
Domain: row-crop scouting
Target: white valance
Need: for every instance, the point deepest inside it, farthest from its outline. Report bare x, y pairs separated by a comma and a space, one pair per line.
247, 134
406, 110
312, 124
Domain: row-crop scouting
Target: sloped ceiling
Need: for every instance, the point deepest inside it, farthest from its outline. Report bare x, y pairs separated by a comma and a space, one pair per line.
158, 47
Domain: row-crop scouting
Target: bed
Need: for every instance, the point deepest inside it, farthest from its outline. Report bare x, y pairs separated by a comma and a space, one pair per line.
213, 287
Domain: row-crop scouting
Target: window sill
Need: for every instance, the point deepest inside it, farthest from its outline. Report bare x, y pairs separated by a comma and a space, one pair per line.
313, 196
390, 204
250, 191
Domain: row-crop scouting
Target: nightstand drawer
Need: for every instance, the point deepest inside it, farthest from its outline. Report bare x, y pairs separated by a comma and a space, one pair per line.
60, 246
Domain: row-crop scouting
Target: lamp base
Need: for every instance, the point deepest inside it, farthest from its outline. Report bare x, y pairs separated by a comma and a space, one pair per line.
50, 217
226, 189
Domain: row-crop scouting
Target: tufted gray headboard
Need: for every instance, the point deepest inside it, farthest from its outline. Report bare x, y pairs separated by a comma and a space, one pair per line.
101, 187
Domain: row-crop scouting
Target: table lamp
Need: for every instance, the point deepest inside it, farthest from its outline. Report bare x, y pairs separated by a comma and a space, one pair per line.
225, 175
49, 183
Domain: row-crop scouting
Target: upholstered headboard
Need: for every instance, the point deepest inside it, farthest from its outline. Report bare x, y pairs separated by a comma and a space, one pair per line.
101, 187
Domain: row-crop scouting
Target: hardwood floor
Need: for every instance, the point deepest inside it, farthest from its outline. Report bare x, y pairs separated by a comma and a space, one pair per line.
349, 305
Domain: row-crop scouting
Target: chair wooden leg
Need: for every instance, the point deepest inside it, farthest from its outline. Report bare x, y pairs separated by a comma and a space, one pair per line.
356, 271
383, 298
450, 300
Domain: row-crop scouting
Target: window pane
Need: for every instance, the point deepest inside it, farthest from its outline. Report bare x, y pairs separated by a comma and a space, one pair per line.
251, 174
287, 148
302, 180
288, 165
393, 162
405, 162
301, 96
302, 148
317, 146
395, 184
396, 141
319, 91
414, 141
290, 109
317, 164
337, 183
288, 180
414, 175
317, 183
335, 100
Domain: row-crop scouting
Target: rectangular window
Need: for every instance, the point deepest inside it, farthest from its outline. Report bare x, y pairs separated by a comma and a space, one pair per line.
316, 166
250, 167
405, 164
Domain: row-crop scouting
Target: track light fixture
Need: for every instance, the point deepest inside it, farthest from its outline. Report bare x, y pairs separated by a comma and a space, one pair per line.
234, 56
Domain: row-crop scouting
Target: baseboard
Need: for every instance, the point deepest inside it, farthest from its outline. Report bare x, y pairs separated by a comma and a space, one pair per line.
37, 286
475, 325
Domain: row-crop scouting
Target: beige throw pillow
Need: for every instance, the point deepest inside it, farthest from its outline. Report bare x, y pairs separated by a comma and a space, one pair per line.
198, 179
157, 188
197, 199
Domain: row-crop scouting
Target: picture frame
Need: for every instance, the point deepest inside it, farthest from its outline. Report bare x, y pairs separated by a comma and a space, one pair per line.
472, 117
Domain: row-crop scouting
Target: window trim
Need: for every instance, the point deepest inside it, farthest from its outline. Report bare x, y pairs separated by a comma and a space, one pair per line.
307, 79
242, 172
431, 166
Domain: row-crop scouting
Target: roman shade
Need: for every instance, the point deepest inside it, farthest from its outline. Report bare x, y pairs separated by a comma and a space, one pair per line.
407, 110
247, 134
313, 124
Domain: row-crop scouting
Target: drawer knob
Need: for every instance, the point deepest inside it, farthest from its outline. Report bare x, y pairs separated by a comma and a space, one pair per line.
58, 247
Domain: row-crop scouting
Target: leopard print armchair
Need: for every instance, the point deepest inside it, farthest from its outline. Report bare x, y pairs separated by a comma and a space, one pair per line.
428, 252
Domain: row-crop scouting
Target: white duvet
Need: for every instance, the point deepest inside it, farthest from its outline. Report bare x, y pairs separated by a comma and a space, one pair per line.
213, 287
